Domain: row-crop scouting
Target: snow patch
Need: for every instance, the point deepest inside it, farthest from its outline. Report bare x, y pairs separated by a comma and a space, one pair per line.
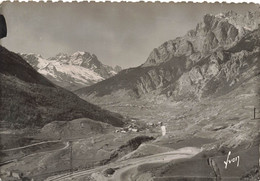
112, 72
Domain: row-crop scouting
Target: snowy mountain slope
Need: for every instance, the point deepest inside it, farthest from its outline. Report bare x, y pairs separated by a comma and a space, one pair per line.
71, 71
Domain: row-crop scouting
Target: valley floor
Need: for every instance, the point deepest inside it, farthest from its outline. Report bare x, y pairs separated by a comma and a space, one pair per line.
199, 136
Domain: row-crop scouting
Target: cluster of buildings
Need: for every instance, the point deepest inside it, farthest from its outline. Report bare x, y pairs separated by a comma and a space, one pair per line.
129, 128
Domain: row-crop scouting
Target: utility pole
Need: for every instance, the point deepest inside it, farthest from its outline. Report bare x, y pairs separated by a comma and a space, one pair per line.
255, 116
254, 112
71, 168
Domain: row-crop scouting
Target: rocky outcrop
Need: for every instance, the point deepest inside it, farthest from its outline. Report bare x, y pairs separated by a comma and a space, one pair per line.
214, 58
222, 71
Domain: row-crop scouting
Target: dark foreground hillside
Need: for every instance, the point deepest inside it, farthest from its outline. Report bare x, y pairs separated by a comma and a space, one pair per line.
29, 99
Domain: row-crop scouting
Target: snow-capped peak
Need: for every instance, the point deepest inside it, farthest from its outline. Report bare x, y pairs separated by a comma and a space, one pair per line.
71, 71
220, 15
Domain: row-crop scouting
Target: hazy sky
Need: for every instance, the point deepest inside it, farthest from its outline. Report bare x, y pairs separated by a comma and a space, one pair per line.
118, 33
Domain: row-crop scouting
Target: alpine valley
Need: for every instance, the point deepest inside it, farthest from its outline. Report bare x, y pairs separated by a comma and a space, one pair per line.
201, 88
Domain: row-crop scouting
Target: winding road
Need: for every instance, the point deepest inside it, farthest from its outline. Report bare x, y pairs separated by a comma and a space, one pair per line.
126, 166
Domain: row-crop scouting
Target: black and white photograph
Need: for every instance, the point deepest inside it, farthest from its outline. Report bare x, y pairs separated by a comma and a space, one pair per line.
129, 91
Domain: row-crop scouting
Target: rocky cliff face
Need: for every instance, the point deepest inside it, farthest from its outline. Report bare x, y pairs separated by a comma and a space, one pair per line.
214, 32
72, 71
212, 59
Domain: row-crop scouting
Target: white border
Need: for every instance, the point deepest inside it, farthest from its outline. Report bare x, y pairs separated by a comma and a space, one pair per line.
153, 1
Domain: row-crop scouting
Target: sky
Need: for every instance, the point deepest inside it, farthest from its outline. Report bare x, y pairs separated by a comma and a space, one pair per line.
121, 34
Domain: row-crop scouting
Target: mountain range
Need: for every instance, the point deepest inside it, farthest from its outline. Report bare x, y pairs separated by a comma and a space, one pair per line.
215, 57
203, 86
72, 71
28, 99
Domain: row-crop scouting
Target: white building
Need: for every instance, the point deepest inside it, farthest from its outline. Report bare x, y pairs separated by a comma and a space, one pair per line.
163, 128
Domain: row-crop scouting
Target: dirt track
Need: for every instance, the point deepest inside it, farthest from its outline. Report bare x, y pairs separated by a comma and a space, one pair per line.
31, 145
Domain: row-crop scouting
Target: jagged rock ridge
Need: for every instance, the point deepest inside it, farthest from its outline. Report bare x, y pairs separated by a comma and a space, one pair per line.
214, 32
